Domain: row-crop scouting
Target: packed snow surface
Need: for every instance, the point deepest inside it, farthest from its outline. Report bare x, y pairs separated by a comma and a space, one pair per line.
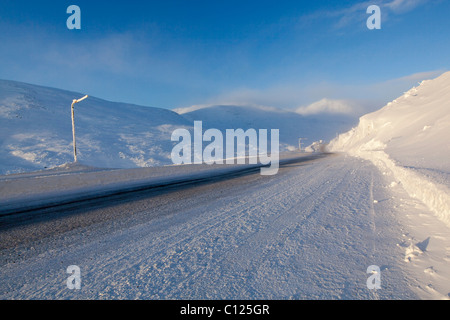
309, 232
295, 235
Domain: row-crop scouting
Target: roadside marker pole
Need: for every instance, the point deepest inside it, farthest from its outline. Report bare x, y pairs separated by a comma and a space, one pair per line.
73, 127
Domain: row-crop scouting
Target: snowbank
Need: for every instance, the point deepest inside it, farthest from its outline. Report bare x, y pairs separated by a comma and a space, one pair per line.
410, 137
316, 146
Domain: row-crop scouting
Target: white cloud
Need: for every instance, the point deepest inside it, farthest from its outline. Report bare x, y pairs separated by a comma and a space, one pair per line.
282, 96
419, 76
401, 6
328, 106
191, 108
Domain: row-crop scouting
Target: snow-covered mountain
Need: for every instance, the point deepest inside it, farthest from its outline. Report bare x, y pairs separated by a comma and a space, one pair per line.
36, 130
410, 137
292, 125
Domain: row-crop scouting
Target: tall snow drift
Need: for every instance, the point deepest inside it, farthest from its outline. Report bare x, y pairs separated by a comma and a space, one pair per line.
410, 136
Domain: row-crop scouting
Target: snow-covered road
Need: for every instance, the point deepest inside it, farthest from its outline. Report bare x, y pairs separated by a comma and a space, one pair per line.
309, 232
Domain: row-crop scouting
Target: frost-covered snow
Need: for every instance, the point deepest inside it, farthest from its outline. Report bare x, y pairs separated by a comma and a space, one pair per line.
408, 140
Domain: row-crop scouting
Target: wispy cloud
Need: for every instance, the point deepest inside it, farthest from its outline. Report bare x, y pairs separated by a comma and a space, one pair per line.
356, 13
402, 6
110, 65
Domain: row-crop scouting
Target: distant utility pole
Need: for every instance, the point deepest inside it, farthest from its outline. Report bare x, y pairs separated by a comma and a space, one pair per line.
73, 127
300, 143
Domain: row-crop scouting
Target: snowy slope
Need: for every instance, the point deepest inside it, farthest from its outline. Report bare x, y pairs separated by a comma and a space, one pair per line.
36, 130
410, 138
292, 125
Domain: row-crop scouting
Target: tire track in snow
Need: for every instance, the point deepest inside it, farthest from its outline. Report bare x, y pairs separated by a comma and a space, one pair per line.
286, 221
373, 226
201, 231
245, 257
310, 209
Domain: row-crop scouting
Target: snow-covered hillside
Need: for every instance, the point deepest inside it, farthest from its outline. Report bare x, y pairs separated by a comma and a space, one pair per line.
409, 137
36, 130
292, 125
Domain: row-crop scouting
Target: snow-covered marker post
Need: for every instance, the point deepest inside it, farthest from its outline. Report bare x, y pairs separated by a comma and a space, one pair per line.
73, 127
300, 143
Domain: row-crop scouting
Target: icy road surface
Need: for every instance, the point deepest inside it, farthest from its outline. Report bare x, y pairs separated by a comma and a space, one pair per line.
309, 232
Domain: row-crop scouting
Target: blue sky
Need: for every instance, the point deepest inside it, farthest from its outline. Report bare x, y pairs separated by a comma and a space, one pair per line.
174, 54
